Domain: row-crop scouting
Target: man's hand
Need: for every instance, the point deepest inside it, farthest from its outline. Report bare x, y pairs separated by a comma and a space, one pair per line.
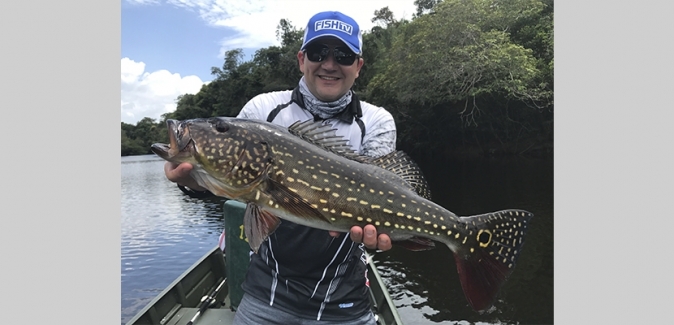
181, 174
368, 236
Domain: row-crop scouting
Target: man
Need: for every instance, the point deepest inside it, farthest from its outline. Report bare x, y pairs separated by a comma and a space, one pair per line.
303, 275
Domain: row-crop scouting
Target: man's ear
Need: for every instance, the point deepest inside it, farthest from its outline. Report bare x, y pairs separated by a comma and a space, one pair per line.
300, 60
360, 65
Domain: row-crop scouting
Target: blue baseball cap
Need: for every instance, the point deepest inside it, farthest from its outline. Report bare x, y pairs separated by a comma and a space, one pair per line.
335, 24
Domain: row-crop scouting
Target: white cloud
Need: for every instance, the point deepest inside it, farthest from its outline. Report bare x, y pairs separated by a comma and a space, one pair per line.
151, 94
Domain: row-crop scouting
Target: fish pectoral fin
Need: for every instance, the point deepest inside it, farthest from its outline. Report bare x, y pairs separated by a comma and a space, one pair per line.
415, 244
292, 202
258, 224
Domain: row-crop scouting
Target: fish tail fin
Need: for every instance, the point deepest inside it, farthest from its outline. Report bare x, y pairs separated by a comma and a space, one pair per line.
484, 266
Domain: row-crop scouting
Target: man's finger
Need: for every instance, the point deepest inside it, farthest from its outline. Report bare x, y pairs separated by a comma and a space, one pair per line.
370, 236
334, 233
384, 242
356, 234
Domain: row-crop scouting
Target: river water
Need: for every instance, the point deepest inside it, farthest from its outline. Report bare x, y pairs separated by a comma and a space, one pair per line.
164, 232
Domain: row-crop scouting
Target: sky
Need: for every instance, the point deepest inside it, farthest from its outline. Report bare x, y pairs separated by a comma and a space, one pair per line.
169, 46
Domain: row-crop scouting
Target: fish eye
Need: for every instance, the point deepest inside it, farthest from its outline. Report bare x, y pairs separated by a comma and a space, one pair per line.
221, 126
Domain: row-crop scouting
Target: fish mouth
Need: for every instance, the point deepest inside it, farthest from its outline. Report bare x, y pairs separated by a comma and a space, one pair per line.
180, 143
161, 150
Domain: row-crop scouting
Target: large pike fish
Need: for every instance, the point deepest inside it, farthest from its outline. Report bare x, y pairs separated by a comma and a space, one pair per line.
308, 175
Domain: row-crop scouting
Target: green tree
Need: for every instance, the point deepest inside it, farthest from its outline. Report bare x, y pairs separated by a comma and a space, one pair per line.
425, 6
288, 34
137, 139
131, 146
384, 17
458, 69
233, 59
191, 106
277, 67
376, 44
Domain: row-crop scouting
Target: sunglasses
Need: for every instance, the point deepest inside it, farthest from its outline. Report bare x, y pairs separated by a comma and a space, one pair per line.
318, 53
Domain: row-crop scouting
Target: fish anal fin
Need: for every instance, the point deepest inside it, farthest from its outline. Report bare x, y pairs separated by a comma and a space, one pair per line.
483, 270
415, 244
481, 278
292, 202
258, 224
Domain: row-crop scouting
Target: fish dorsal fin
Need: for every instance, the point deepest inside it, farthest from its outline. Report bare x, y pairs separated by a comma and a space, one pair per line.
399, 163
325, 136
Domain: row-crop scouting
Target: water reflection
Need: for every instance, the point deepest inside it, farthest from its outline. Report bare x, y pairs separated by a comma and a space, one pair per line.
425, 285
163, 231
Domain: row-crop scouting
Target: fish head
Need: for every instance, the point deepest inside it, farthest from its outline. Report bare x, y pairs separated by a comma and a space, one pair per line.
229, 158
180, 148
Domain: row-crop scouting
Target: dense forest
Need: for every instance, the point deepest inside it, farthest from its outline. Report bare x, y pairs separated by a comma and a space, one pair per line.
462, 77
